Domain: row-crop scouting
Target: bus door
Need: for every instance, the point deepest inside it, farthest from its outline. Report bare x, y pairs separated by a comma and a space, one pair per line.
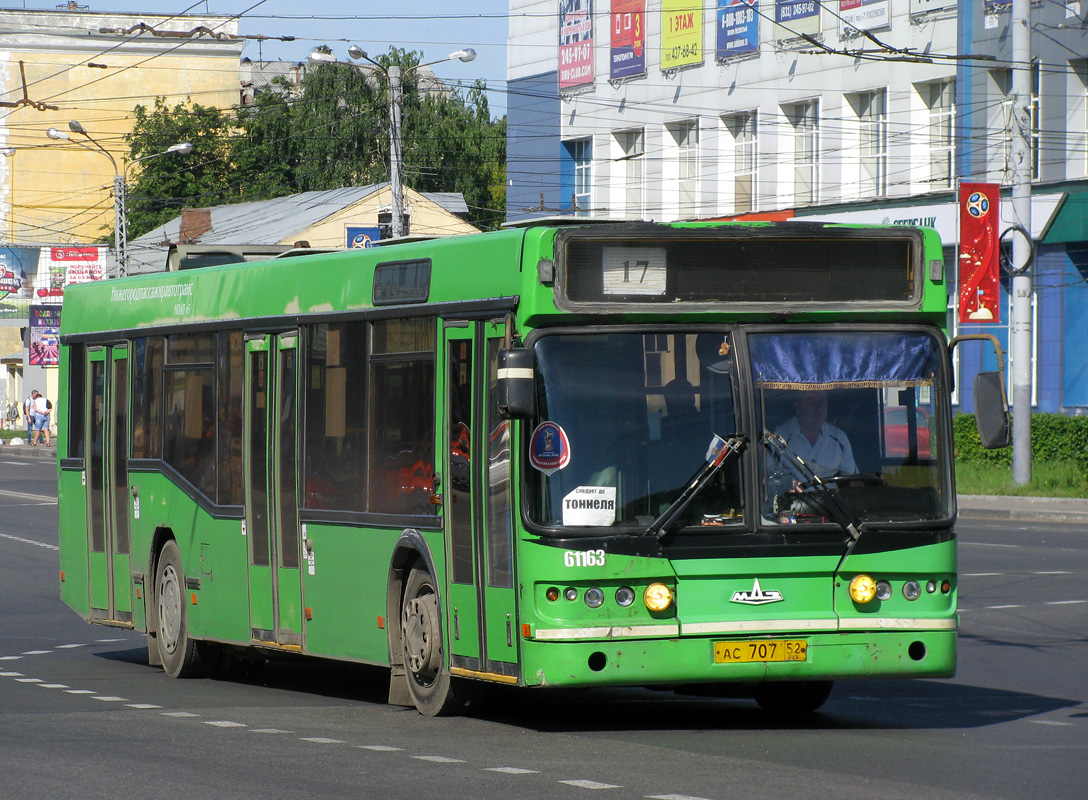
271, 520
481, 602
108, 496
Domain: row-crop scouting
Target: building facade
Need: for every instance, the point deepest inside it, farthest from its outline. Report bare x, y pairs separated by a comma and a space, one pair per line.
56, 194
854, 110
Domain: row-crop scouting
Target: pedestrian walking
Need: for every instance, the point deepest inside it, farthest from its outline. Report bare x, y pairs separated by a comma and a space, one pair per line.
43, 409
28, 412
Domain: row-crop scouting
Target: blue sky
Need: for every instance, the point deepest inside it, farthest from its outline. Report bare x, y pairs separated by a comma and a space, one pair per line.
436, 28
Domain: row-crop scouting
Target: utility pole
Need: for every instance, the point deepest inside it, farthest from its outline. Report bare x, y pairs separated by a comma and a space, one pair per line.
395, 161
1021, 322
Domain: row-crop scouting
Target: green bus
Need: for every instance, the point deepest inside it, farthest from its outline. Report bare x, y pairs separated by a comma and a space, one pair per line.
711, 457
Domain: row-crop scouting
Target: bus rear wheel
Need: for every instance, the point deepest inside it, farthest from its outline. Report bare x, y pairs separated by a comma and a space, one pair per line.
429, 683
792, 697
181, 656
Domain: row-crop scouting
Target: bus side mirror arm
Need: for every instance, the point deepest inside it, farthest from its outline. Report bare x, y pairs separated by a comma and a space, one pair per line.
991, 400
516, 391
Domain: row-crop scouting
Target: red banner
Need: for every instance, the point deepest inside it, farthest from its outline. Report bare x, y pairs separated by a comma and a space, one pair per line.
979, 263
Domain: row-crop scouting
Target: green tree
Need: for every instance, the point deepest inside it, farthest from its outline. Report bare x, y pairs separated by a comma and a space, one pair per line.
332, 135
160, 186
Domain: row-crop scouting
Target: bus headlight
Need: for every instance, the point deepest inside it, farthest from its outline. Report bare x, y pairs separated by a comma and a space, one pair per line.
657, 597
912, 590
594, 597
862, 589
625, 595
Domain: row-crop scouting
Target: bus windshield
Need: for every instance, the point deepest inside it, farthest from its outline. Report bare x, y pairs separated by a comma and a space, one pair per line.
854, 412
624, 422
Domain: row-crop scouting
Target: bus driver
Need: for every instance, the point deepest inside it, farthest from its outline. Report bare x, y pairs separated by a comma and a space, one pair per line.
824, 447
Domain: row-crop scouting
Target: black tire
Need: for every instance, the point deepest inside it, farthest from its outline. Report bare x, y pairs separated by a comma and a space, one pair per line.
181, 656
793, 697
429, 683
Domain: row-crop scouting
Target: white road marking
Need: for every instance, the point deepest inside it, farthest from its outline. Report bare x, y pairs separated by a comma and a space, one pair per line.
37, 652
980, 574
382, 748
267, 730
29, 680
591, 785
320, 740
70, 646
223, 723
10, 658
79, 691
1064, 602
108, 698
1000, 607
54, 685
142, 705
179, 714
673, 797
11, 674
1049, 722
440, 759
512, 770
22, 540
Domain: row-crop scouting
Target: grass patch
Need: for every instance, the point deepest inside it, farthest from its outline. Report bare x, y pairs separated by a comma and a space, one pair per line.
15, 434
1048, 479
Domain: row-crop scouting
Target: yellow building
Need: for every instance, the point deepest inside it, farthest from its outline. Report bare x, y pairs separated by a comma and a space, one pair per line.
95, 68
92, 67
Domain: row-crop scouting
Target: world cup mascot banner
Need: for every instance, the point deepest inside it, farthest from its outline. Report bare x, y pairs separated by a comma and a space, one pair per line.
979, 261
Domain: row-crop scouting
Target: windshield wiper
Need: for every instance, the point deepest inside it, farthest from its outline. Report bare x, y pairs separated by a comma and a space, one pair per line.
838, 512
733, 446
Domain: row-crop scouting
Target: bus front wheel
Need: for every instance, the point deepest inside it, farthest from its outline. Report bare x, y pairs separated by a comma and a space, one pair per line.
181, 656
429, 682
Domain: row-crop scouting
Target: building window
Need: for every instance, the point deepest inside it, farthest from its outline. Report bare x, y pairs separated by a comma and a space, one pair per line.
872, 111
742, 128
939, 99
632, 145
1077, 121
804, 119
581, 154
686, 137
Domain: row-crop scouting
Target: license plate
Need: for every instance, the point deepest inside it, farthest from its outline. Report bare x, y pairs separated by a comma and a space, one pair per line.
760, 650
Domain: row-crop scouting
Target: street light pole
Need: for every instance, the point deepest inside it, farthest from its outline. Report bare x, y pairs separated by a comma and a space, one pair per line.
120, 185
394, 79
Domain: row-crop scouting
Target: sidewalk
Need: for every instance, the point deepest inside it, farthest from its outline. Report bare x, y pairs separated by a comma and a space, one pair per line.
1023, 509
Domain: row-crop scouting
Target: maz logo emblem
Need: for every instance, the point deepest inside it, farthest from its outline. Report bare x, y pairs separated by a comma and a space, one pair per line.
757, 597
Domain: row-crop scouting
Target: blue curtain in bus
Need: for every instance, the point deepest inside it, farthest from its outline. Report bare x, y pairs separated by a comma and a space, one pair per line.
829, 360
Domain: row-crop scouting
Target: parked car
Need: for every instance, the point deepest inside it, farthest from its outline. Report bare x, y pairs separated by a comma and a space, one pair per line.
896, 432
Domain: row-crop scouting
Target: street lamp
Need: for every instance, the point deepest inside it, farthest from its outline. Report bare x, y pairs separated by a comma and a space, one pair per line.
394, 77
120, 219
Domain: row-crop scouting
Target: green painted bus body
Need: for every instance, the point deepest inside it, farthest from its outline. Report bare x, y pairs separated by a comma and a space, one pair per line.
342, 606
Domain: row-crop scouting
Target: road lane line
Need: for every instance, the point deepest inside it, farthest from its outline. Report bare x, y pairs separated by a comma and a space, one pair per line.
381, 748
591, 785
320, 740
223, 723
440, 759
512, 770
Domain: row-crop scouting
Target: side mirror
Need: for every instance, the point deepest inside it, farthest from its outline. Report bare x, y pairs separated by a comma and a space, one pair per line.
991, 402
516, 391
991, 410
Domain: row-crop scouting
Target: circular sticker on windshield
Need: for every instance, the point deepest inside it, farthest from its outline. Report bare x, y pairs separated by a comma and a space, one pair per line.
549, 448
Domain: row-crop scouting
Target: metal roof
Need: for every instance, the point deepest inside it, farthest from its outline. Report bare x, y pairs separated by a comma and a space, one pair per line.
265, 221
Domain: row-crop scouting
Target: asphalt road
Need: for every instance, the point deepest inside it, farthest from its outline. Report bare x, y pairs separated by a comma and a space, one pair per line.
83, 716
